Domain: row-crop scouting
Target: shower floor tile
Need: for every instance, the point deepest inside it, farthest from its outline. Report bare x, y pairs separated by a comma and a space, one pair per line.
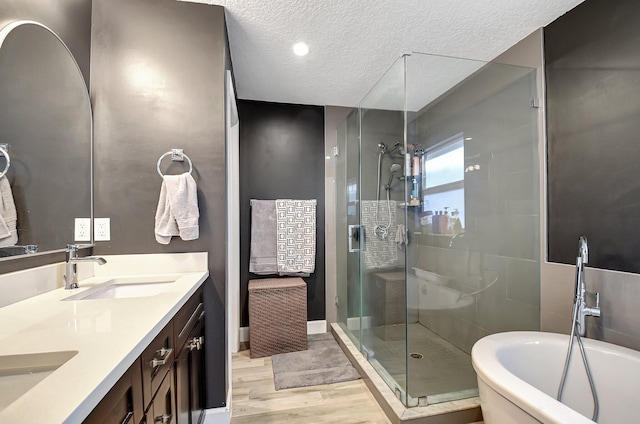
443, 368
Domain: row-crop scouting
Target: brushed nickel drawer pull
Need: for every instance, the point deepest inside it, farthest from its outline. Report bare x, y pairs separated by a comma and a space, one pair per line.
128, 417
195, 343
164, 353
165, 418
192, 344
193, 317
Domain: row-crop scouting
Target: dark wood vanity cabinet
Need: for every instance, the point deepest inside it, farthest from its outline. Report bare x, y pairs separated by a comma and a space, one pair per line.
123, 404
166, 384
162, 409
189, 366
157, 359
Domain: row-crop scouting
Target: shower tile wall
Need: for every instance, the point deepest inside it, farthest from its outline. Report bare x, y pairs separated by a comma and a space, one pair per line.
501, 208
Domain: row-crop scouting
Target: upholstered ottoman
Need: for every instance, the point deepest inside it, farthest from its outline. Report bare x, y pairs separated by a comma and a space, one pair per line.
277, 316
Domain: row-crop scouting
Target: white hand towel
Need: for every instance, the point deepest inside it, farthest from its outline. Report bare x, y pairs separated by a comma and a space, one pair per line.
401, 237
8, 215
177, 213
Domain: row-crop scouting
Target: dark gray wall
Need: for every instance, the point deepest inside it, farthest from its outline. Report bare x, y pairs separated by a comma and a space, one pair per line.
282, 157
158, 72
593, 104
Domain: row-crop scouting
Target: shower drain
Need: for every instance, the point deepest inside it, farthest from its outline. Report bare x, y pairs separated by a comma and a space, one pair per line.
416, 355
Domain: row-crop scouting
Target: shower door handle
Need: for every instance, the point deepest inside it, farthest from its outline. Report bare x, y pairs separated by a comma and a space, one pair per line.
363, 238
353, 234
357, 233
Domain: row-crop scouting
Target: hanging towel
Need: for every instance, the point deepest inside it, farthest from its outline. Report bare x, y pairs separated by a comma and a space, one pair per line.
177, 213
262, 260
379, 252
296, 232
401, 237
8, 215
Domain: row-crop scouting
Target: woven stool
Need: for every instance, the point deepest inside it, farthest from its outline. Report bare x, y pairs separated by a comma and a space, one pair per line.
277, 316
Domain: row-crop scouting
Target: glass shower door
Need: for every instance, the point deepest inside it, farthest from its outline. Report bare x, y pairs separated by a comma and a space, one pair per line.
347, 227
382, 219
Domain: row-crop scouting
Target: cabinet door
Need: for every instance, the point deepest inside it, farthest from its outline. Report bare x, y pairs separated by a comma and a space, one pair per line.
123, 403
163, 408
183, 410
157, 358
197, 377
189, 369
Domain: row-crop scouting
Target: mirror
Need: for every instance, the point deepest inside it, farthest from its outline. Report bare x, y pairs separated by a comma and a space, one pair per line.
45, 119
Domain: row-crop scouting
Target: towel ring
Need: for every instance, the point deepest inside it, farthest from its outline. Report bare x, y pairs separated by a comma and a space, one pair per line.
4, 153
177, 156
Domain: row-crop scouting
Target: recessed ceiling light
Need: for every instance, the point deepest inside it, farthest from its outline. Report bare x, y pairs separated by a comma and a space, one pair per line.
301, 49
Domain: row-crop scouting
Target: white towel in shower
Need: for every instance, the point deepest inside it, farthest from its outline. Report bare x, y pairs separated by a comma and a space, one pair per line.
401, 237
177, 213
8, 215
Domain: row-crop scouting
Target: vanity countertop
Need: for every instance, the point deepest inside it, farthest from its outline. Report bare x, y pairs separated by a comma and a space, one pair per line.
109, 334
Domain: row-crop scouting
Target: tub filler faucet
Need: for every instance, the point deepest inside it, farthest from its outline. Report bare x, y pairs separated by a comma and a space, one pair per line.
583, 309
578, 327
71, 274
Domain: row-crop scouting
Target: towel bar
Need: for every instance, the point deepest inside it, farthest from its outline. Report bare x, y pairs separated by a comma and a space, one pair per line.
4, 151
177, 155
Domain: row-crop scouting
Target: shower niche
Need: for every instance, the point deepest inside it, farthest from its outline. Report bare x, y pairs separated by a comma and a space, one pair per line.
438, 220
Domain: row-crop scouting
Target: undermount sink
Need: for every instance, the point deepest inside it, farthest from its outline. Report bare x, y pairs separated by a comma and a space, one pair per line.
20, 373
125, 287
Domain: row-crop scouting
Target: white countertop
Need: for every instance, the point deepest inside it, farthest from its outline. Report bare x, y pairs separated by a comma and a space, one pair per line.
109, 334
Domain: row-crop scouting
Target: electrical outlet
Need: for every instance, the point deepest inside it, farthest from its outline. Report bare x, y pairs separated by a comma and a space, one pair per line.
102, 229
82, 229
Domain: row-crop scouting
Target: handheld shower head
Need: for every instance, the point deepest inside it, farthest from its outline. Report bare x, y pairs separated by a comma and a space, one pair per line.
394, 168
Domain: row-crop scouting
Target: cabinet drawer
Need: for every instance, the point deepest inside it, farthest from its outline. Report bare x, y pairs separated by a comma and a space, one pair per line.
163, 408
123, 403
156, 361
187, 318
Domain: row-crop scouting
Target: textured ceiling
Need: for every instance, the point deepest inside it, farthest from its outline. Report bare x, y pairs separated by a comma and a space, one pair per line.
353, 42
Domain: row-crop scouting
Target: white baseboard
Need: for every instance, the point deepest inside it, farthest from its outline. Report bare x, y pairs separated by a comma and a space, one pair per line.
317, 327
244, 334
313, 327
217, 416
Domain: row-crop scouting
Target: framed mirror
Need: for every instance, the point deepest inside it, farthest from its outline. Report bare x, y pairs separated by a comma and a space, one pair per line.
46, 125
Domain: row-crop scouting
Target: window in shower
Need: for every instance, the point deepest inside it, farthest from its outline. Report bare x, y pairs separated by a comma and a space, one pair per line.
443, 177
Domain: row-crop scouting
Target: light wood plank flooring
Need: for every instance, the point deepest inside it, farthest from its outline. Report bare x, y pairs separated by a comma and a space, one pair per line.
255, 399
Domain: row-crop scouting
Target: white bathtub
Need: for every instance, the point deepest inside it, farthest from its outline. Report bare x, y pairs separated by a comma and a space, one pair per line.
519, 374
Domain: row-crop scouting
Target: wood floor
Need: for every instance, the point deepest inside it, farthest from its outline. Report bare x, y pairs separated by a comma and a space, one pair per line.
255, 399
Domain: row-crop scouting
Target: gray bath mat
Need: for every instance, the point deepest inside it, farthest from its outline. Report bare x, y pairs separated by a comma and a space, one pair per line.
322, 363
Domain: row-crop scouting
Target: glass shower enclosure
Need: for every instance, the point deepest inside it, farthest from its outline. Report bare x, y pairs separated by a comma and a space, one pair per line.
438, 220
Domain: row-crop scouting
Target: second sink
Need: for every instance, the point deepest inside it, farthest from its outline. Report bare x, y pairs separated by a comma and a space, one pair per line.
19, 373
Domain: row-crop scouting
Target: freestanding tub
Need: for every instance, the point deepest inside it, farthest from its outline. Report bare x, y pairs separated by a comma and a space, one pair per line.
519, 373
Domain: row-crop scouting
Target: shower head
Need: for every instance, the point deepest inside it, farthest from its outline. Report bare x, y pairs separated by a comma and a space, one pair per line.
382, 147
394, 168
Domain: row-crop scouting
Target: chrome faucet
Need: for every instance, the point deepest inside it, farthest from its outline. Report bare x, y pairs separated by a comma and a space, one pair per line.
72, 259
580, 302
